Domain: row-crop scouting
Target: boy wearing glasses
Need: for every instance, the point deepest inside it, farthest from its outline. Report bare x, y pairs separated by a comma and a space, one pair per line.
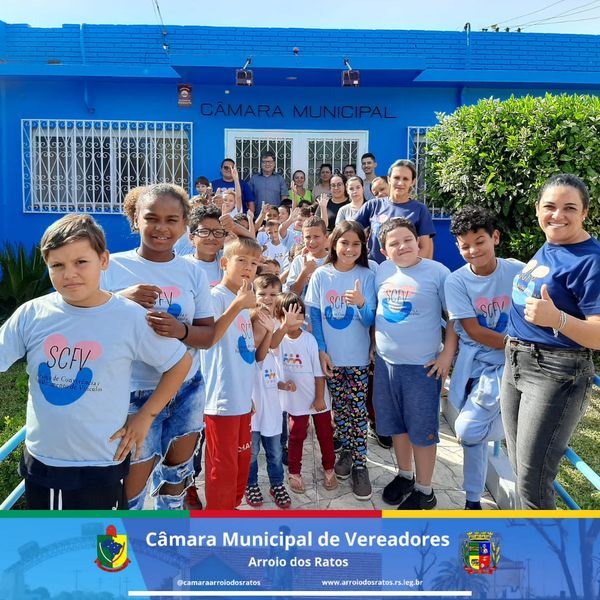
267, 186
208, 237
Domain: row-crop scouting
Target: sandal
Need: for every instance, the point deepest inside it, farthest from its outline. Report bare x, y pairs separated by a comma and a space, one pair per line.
296, 483
254, 496
281, 496
330, 481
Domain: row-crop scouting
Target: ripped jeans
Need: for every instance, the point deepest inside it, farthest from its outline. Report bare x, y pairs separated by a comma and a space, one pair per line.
182, 416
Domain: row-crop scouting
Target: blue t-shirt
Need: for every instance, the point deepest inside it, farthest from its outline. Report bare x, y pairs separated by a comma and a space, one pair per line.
228, 367
267, 190
408, 323
79, 362
247, 194
379, 210
486, 298
345, 329
572, 274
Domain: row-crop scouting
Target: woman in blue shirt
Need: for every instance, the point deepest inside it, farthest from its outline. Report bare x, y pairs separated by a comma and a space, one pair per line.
554, 324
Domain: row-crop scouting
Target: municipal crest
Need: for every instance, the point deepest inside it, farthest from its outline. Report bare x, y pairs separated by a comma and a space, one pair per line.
481, 552
112, 551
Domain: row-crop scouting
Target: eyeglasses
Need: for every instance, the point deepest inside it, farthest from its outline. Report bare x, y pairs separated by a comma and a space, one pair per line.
268, 162
204, 233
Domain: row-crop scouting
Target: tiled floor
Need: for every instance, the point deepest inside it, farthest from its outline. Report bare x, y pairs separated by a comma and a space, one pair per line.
447, 480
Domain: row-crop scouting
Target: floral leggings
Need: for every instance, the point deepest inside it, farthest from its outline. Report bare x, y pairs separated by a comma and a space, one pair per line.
348, 389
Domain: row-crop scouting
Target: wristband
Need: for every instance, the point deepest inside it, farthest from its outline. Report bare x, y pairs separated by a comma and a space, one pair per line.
187, 330
562, 321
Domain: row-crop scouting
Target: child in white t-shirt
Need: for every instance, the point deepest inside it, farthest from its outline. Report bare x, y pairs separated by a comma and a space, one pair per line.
208, 237
274, 247
81, 342
299, 360
267, 417
229, 366
409, 366
176, 294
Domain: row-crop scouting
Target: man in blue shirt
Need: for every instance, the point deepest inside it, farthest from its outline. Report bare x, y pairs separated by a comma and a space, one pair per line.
227, 182
267, 186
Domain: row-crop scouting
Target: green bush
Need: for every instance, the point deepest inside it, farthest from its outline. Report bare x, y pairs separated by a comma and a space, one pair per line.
13, 392
498, 154
23, 277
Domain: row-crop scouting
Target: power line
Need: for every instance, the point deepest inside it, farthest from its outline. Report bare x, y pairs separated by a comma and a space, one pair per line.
529, 13
570, 21
568, 13
158, 14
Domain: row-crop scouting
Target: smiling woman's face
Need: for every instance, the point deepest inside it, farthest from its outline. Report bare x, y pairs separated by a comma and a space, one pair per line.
561, 214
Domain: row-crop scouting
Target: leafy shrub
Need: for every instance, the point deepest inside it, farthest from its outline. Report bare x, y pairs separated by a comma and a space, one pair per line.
13, 391
498, 154
23, 277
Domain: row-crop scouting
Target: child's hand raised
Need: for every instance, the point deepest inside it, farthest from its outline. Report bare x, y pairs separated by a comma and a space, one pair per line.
293, 317
266, 320
165, 324
245, 296
354, 296
133, 433
143, 294
309, 266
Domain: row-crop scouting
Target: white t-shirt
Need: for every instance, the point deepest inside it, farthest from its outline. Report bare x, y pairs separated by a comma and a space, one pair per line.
228, 367
408, 322
267, 418
293, 237
299, 362
79, 362
345, 333
212, 270
280, 253
185, 295
296, 268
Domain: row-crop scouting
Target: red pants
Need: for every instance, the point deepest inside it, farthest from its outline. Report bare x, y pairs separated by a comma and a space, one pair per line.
227, 460
298, 431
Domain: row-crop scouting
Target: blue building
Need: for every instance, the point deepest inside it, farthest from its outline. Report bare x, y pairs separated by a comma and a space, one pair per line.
88, 111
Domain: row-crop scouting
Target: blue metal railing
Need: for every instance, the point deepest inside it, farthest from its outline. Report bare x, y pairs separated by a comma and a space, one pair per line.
6, 449
571, 456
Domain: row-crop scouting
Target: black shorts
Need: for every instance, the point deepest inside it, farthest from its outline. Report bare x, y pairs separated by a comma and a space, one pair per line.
73, 488
104, 497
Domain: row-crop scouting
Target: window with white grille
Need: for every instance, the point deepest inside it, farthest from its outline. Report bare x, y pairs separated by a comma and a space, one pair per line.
305, 150
417, 152
79, 165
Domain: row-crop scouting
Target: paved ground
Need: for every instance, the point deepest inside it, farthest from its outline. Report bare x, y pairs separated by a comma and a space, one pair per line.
447, 480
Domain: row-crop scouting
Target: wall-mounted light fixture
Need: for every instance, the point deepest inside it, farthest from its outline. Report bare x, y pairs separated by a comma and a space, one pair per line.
244, 76
351, 77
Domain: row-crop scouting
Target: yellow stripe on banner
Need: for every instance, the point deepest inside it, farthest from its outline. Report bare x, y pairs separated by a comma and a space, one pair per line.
490, 514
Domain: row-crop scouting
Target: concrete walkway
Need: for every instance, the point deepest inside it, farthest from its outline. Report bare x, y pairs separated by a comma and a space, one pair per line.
447, 479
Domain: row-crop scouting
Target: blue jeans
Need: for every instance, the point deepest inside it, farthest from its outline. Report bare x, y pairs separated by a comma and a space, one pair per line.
272, 446
544, 394
180, 417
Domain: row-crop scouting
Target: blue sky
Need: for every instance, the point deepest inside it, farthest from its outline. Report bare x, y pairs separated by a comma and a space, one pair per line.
562, 16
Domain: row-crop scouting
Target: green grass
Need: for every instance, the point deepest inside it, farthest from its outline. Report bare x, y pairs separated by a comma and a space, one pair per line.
13, 401
586, 443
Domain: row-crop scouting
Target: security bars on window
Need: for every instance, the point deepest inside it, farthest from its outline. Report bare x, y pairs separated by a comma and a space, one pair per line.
89, 166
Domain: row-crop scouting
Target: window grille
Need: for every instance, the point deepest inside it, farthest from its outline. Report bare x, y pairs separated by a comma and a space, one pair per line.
294, 149
248, 151
79, 165
338, 152
417, 152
